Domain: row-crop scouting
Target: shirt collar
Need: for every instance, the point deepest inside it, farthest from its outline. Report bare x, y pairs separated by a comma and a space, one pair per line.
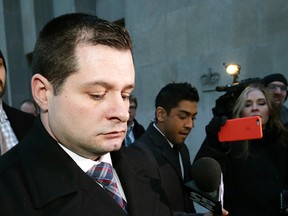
84, 163
163, 135
131, 126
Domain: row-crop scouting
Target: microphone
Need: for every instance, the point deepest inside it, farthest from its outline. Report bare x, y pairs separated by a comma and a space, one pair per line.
207, 187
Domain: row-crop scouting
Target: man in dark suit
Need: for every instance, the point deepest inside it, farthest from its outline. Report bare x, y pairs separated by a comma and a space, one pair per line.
83, 76
14, 124
163, 141
135, 129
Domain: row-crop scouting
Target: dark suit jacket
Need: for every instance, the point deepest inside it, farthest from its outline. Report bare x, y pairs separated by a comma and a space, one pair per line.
38, 178
138, 130
155, 146
20, 122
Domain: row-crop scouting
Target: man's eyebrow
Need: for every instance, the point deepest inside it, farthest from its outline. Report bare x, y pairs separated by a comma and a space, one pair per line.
106, 85
187, 112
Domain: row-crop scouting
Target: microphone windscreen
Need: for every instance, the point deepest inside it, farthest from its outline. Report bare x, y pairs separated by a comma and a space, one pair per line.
206, 172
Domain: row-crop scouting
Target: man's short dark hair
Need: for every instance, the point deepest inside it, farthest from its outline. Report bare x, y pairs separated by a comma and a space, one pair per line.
172, 94
54, 54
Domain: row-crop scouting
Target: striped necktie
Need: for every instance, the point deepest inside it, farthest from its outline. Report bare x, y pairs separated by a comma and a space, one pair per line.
103, 174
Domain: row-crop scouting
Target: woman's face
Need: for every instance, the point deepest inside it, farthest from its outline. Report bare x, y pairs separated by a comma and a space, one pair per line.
256, 105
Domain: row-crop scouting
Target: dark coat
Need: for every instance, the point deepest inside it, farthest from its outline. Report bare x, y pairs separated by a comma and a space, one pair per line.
153, 145
252, 186
20, 122
37, 177
138, 130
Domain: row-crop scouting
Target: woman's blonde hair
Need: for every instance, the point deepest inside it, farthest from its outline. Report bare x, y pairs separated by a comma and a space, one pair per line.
274, 113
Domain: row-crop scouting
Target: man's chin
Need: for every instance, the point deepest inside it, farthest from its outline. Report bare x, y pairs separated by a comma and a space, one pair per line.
116, 147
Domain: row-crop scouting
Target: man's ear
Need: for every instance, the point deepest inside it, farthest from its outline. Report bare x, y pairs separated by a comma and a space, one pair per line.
41, 89
161, 114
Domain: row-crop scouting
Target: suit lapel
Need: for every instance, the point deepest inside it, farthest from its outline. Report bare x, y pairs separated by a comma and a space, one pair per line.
164, 148
45, 163
56, 170
127, 175
138, 182
186, 162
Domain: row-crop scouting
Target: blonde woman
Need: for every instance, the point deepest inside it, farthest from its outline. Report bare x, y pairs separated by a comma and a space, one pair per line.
255, 171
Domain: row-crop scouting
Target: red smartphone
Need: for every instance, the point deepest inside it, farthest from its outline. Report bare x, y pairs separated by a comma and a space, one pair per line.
246, 128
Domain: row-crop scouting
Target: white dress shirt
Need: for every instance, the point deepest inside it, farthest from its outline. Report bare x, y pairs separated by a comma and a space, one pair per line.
8, 139
85, 164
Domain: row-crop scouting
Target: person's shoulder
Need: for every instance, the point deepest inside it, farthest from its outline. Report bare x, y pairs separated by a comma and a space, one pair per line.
184, 145
11, 111
140, 144
152, 139
137, 124
141, 156
8, 160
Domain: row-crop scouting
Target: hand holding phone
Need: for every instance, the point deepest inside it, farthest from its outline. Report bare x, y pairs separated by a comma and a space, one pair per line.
246, 128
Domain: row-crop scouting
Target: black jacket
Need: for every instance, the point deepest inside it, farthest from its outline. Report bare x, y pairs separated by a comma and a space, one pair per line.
138, 130
154, 146
37, 177
20, 122
252, 185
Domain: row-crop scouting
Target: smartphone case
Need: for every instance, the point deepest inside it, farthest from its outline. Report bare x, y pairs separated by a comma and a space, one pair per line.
246, 128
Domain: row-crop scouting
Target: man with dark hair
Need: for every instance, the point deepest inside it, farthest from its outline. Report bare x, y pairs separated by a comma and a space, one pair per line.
70, 163
14, 124
163, 141
277, 85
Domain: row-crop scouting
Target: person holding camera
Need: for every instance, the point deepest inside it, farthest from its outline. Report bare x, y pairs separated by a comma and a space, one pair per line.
254, 171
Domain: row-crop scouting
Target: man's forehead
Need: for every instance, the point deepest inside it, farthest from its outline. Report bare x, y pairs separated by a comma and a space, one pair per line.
277, 83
